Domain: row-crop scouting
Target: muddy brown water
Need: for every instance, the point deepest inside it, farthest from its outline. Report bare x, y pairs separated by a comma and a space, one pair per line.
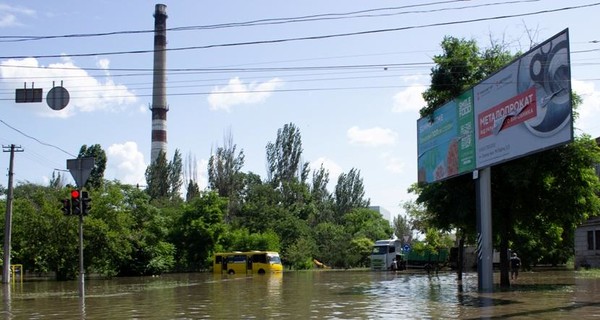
308, 295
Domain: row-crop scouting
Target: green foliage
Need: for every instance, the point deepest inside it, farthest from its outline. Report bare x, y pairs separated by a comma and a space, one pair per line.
199, 229
175, 176
366, 223
359, 252
332, 244
225, 174
96, 178
538, 200
157, 177
132, 232
283, 156
460, 67
349, 194
402, 227
243, 240
43, 239
299, 255
193, 191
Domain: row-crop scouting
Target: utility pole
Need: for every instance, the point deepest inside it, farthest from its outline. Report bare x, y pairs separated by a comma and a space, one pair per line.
8, 221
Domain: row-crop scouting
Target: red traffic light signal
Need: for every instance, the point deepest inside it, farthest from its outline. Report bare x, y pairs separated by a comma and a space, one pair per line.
75, 202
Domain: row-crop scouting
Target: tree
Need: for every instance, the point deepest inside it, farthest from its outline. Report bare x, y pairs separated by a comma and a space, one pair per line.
286, 173
43, 239
402, 228
57, 181
260, 210
461, 66
321, 197
147, 230
550, 192
199, 229
349, 193
96, 178
190, 176
333, 244
225, 174
175, 176
367, 223
193, 191
157, 177
283, 156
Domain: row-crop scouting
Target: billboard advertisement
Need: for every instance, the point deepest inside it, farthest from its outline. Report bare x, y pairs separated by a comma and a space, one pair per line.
446, 144
526, 106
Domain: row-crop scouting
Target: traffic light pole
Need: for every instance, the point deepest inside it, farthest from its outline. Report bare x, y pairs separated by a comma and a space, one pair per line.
81, 268
80, 169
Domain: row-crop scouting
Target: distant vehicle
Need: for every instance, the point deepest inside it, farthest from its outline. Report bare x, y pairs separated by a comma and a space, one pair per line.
251, 262
385, 251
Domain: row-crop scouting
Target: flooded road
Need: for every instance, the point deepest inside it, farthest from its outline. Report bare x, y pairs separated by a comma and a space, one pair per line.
308, 295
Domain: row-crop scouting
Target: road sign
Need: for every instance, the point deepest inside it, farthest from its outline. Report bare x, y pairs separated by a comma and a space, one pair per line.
28, 95
406, 247
80, 169
57, 98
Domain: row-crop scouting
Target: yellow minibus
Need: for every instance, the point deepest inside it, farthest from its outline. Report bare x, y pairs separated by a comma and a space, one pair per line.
249, 262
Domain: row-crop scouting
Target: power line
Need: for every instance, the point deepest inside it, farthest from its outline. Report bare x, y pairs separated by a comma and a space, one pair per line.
36, 139
319, 37
270, 21
191, 71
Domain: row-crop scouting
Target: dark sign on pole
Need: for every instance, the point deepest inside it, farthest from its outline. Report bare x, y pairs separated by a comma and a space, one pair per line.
58, 98
28, 95
80, 169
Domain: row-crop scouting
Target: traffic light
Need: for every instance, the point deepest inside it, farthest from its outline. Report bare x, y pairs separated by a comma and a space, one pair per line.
85, 201
75, 202
66, 208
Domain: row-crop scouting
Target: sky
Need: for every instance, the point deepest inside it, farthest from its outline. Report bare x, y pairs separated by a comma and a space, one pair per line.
349, 74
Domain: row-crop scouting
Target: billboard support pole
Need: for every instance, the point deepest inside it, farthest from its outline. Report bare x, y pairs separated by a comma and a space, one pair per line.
484, 230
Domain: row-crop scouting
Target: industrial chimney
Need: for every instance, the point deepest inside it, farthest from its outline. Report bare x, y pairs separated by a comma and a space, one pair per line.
159, 89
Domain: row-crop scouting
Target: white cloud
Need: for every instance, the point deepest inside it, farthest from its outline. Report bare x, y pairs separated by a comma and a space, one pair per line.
589, 110
410, 99
126, 163
87, 93
331, 166
9, 15
7, 20
393, 164
237, 92
104, 64
372, 137
334, 169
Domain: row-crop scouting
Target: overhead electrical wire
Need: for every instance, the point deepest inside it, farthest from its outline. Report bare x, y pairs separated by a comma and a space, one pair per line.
306, 38
307, 18
37, 140
262, 22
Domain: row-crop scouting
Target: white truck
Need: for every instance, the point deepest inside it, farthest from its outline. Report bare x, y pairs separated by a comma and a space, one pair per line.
387, 255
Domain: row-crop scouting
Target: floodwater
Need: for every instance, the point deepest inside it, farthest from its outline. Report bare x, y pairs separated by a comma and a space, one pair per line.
307, 295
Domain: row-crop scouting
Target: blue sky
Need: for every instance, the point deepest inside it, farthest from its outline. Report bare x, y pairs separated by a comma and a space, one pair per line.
354, 91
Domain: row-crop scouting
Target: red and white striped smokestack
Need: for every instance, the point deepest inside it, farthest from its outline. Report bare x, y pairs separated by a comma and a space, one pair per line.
159, 88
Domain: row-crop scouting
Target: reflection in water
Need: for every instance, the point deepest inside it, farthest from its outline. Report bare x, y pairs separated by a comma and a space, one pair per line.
306, 295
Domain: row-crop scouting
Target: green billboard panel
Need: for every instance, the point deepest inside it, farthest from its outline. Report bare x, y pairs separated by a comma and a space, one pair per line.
446, 141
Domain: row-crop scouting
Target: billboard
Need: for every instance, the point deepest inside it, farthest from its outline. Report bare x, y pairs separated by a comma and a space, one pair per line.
446, 145
526, 106
523, 108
